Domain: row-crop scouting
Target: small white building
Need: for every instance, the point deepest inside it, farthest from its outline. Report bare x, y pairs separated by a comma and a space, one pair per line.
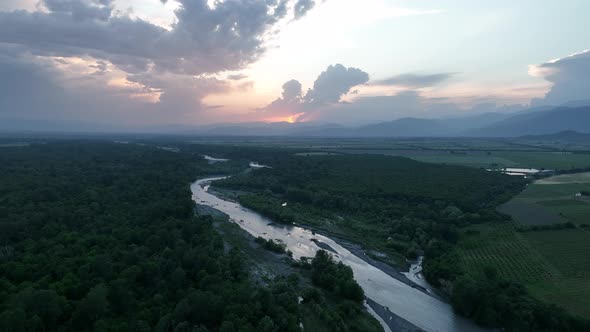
578, 194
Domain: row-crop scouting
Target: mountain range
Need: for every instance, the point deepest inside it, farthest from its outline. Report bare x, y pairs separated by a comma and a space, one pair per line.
534, 121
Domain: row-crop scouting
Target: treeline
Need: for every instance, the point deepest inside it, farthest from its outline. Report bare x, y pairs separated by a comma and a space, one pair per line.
335, 277
494, 302
101, 237
318, 179
391, 203
411, 208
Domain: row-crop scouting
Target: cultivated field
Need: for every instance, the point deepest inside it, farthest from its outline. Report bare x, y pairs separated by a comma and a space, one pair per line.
553, 265
529, 213
552, 200
499, 246
569, 252
474, 152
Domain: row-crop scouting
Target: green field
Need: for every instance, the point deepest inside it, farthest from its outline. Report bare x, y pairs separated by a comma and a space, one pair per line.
567, 251
484, 156
474, 152
546, 160
552, 200
553, 265
529, 213
498, 245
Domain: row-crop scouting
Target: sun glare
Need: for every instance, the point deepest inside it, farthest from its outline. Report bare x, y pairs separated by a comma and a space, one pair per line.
289, 119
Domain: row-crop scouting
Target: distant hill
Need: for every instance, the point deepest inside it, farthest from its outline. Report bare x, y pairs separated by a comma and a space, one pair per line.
570, 121
405, 127
538, 122
568, 136
261, 129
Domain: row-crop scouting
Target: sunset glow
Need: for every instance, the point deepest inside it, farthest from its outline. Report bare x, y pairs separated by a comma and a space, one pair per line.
345, 62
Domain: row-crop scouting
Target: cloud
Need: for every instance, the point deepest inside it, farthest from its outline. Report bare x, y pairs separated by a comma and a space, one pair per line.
236, 77
302, 7
204, 40
33, 88
335, 82
570, 77
82, 49
416, 80
81, 10
292, 91
324, 102
328, 89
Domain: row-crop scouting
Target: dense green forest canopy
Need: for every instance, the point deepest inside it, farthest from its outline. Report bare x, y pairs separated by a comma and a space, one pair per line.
387, 177
101, 236
397, 205
394, 203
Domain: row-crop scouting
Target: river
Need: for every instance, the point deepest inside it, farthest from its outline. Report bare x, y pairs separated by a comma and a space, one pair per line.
415, 306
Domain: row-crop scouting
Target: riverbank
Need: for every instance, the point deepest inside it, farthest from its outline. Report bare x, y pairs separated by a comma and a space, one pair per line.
269, 265
393, 271
393, 321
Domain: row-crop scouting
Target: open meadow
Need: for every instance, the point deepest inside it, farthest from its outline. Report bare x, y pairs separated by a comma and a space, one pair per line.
552, 200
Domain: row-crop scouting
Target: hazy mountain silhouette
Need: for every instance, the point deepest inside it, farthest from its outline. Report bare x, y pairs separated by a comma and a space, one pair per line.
567, 136
538, 122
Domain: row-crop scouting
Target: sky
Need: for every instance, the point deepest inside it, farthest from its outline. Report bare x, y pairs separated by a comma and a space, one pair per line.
194, 62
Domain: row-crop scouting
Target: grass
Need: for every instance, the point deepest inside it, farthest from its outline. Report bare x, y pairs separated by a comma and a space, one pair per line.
527, 213
576, 211
553, 265
567, 178
480, 157
498, 245
547, 160
552, 200
567, 251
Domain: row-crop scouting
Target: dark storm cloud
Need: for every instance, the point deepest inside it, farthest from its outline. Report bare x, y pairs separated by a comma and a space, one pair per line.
570, 77
335, 82
416, 80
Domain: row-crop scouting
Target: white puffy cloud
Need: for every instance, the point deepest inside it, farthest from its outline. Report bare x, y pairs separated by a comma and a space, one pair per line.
570, 77
328, 89
292, 91
324, 102
335, 82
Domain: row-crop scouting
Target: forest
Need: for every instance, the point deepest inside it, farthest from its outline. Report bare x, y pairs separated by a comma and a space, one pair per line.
405, 209
98, 236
